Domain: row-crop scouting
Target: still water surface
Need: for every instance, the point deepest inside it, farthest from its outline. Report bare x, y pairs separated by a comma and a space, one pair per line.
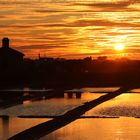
98, 129
11, 126
126, 105
50, 107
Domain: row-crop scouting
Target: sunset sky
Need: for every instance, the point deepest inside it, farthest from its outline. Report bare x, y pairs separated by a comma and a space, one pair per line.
72, 28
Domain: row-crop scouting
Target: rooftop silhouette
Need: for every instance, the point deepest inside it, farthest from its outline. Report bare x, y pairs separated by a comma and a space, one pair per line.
9, 56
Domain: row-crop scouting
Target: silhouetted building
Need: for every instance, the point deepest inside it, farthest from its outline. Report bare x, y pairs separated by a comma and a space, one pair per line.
9, 56
102, 58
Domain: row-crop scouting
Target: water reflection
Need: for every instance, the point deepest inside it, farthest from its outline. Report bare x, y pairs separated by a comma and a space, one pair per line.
124, 105
135, 90
51, 107
42, 107
95, 89
13, 97
5, 125
12, 126
100, 129
70, 95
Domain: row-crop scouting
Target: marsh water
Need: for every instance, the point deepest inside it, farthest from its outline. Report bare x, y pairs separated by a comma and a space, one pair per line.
100, 129
125, 109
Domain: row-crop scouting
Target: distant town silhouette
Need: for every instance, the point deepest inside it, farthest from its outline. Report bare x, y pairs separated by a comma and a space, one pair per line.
48, 72
58, 77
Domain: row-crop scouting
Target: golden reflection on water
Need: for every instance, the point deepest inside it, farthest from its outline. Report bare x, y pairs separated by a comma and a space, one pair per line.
125, 128
135, 90
86, 96
130, 99
99, 129
54, 106
12, 126
127, 104
27, 102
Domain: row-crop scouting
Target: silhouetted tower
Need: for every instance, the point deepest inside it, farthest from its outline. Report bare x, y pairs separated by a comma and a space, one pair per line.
5, 42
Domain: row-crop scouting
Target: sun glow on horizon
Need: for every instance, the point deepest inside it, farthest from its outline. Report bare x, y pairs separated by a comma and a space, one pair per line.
73, 31
119, 47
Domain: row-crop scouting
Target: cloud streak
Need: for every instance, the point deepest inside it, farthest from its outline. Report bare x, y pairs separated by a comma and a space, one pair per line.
71, 28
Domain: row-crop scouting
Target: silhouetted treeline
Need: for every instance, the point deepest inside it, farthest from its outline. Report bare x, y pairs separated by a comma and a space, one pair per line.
52, 72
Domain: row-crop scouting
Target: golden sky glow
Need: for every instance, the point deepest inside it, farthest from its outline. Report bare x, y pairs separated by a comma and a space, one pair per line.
71, 28
119, 47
